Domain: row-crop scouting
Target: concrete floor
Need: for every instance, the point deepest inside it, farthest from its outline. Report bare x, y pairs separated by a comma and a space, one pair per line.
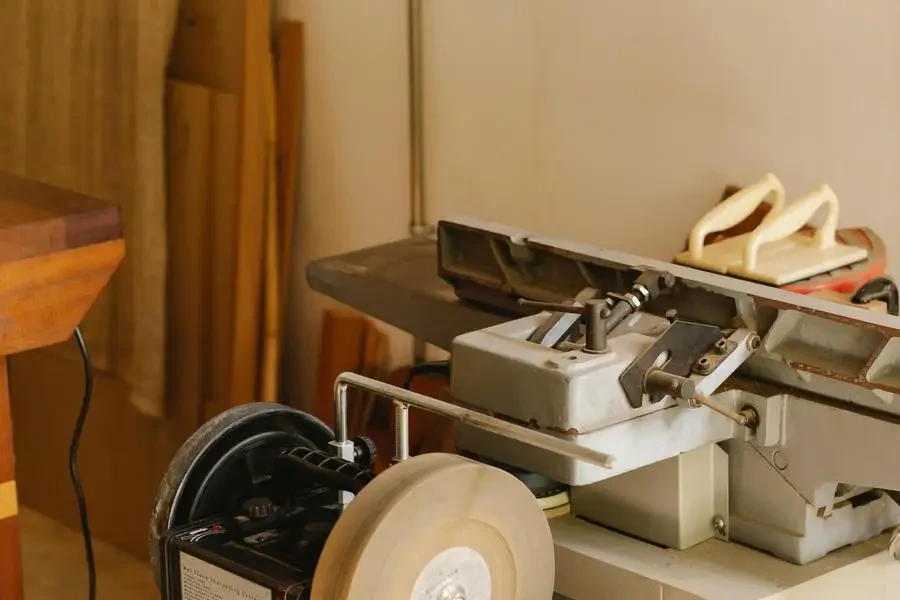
53, 557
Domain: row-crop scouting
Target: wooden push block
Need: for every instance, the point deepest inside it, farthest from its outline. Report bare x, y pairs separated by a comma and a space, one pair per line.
58, 250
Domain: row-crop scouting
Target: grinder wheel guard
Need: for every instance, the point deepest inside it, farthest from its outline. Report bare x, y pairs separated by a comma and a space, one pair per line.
225, 461
439, 527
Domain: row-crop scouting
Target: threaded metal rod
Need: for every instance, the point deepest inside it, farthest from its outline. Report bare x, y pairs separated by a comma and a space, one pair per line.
401, 431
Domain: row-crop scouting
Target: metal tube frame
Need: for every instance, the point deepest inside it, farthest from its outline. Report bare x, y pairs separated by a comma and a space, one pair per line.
418, 217
404, 398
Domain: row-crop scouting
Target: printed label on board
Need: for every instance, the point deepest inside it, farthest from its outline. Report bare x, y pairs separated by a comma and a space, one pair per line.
203, 581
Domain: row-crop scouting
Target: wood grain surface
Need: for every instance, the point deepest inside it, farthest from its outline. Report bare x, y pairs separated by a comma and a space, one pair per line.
58, 251
10, 542
10, 559
36, 218
81, 108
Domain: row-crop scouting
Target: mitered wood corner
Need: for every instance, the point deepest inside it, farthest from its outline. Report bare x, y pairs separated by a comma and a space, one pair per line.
58, 250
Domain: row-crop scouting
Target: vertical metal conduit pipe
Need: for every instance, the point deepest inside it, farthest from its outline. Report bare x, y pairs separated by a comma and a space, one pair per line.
418, 220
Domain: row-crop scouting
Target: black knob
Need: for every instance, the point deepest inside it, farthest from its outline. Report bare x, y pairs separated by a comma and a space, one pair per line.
258, 508
364, 451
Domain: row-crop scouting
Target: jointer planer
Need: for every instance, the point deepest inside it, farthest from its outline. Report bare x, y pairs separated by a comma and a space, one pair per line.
680, 434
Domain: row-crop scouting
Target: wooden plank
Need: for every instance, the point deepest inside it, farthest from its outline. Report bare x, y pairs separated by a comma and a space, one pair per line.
7, 453
271, 343
244, 367
43, 299
36, 218
206, 48
223, 227
189, 160
10, 559
290, 116
10, 543
139, 352
9, 502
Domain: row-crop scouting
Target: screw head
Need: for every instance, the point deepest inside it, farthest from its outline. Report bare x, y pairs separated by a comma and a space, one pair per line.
704, 365
753, 342
671, 315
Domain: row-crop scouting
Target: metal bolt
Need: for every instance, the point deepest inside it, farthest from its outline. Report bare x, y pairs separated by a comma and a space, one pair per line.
671, 315
718, 525
704, 366
452, 592
721, 346
751, 415
753, 342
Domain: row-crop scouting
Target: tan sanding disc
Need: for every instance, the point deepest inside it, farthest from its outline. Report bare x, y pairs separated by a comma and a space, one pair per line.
439, 527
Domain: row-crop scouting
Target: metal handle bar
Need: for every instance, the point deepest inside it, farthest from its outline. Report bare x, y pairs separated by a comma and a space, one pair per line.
404, 398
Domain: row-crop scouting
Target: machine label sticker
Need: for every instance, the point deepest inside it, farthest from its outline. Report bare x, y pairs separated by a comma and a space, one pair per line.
203, 581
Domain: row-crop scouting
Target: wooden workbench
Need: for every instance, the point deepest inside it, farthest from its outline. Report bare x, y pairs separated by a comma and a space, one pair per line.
57, 252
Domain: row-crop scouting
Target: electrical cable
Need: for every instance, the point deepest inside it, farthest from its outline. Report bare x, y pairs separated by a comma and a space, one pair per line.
73, 463
428, 368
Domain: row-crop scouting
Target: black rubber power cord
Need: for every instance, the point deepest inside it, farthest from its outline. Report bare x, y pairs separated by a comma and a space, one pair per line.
441, 368
73, 463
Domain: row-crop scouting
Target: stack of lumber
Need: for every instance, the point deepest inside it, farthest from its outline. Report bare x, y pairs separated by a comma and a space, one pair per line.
233, 110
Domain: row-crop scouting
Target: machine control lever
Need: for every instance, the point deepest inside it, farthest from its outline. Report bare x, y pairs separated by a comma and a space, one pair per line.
594, 313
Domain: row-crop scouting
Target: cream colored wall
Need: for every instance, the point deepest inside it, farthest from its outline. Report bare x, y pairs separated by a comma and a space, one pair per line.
617, 123
354, 174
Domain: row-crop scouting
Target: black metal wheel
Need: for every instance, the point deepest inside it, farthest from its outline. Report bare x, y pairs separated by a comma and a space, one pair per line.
227, 461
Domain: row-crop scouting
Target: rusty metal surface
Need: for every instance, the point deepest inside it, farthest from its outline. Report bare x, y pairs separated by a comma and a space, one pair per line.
521, 264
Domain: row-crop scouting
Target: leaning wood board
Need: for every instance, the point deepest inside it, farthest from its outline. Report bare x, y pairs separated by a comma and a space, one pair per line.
189, 137
290, 114
223, 230
244, 367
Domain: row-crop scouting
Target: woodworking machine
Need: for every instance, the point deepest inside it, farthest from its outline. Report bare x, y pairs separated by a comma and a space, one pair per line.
626, 429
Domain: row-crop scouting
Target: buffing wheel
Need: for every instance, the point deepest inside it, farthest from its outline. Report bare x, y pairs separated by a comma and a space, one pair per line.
439, 527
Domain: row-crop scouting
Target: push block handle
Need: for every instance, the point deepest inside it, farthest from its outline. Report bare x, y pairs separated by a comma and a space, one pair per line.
791, 219
735, 209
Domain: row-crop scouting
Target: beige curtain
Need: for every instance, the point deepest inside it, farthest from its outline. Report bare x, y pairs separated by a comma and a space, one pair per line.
81, 107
